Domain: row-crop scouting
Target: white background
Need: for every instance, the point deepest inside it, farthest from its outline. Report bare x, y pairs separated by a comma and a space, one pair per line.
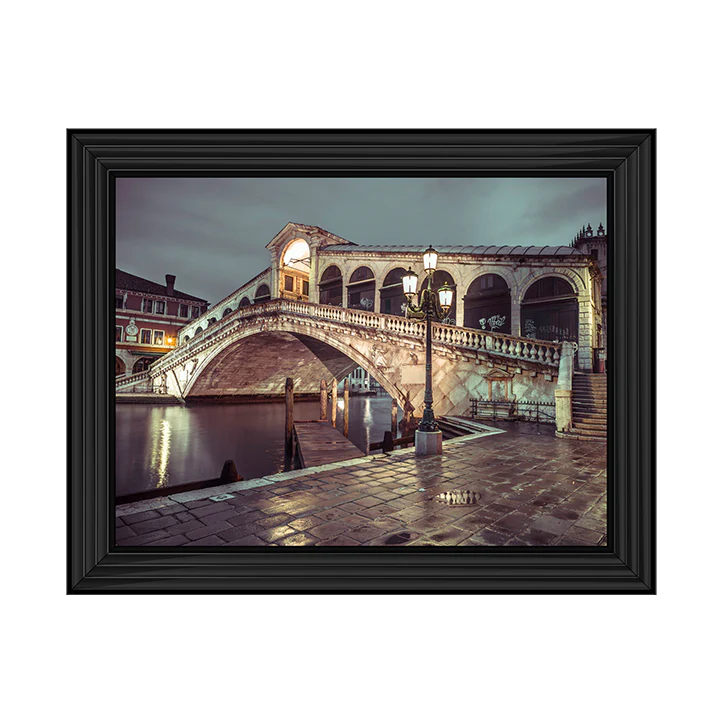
374, 64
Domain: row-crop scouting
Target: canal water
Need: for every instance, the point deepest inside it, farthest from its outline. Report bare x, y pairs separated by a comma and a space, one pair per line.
161, 446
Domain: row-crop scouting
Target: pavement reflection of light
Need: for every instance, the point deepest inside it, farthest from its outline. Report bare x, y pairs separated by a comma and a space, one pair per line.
163, 454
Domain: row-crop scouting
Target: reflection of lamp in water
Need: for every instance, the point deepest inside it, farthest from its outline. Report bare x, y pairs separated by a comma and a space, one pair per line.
163, 455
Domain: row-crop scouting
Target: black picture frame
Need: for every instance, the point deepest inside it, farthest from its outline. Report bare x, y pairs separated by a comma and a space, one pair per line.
625, 157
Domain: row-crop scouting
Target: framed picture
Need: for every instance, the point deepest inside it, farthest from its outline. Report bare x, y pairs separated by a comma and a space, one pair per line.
462, 401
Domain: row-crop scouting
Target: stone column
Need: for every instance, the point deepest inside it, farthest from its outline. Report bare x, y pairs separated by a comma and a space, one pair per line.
516, 315
563, 392
459, 307
585, 332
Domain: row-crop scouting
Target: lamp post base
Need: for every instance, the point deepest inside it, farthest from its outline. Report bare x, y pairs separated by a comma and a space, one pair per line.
426, 443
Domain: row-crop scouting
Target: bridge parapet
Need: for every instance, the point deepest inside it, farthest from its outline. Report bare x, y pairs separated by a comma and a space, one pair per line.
523, 348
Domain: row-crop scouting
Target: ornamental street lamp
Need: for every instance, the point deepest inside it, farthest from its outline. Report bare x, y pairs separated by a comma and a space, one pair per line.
428, 437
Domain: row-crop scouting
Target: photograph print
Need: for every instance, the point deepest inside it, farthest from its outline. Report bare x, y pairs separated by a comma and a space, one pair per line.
355, 362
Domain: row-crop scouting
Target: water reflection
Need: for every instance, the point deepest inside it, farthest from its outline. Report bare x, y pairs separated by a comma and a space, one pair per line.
158, 446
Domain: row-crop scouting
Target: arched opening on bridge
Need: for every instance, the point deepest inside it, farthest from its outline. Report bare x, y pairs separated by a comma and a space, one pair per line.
142, 364
295, 266
360, 289
186, 338
199, 329
245, 302
120, 367
212, 320
227, 311
392, 298
488, 298
331, 287
550, 310
444, 277
259, 363
262, 294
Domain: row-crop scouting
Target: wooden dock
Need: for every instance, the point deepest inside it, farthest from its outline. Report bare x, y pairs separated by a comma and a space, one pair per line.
318, 442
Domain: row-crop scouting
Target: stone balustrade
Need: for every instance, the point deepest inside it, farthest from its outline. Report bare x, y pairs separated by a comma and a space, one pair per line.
131, 379
526, 349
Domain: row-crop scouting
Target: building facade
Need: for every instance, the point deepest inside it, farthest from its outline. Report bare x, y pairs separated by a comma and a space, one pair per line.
148, 317
552, 293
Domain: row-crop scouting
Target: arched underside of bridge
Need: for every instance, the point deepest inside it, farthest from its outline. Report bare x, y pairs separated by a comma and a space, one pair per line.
260, 364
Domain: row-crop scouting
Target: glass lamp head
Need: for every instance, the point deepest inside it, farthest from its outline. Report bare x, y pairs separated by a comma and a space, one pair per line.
409, 283
445, 297
430, 259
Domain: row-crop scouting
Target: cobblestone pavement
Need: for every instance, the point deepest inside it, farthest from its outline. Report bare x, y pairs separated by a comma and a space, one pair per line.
534, 489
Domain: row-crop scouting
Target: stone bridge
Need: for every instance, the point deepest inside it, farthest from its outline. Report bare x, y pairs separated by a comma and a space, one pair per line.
253, 349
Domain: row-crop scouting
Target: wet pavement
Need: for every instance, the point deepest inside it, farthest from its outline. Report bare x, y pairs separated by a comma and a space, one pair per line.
529, 488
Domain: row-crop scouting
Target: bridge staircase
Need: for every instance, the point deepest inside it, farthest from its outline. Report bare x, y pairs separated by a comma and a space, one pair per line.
589, 407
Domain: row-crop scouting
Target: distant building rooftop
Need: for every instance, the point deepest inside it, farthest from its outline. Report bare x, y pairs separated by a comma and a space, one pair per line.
473, 250
130, 282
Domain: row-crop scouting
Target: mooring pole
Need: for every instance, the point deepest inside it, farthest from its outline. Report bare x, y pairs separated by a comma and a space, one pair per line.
322, 401
394, 418
346, 407
289, 416
334, 385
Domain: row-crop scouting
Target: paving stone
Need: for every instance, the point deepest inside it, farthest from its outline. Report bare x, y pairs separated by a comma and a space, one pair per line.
175, 540
298, 539
206, 530
123, 533
141, 517
149, 525
206, 541
236, 533
144, 539
274, 534
213, 509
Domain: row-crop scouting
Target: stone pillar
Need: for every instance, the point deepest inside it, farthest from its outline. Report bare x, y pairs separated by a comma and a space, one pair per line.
322, 401
346, 408
563, 392
459, 307
585, 332
394, 418
515, 316
334, 392
377, 300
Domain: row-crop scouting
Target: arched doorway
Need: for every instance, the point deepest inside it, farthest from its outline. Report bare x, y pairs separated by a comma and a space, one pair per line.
199, 329
262, 294
360, 289
331, 287
392, 298
550, 310
245, 302
120, 367
227, 311
295, 266
488, 298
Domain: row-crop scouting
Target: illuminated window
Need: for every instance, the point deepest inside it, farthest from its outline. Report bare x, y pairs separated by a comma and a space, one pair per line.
158, 338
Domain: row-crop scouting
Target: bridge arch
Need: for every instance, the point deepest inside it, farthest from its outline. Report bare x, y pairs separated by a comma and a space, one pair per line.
361, 289
391, 294
262, 294
570, 275
331, 286
488, 295
550, 309
120, 367
340, 345
227, 311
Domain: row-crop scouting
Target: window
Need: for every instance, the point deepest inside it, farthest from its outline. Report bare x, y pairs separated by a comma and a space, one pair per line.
305, 288
183, 310
118, 302
119, 333
145, 336
195, 311
158, 338
147, 306
160, 307
288, 283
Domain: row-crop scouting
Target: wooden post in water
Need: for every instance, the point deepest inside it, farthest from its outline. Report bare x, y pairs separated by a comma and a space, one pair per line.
394, 418
289, 416
334, 385
346, 407
322, 401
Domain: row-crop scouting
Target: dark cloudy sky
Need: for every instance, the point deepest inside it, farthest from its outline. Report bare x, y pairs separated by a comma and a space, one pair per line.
212, 232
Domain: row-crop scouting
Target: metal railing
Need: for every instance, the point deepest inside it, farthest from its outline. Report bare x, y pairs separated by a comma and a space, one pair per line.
543, 412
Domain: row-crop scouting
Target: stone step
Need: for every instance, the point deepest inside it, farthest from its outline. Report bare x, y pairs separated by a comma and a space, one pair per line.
589, 415
589, 427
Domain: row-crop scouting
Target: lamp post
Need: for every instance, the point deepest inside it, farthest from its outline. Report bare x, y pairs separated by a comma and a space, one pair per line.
428, 437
